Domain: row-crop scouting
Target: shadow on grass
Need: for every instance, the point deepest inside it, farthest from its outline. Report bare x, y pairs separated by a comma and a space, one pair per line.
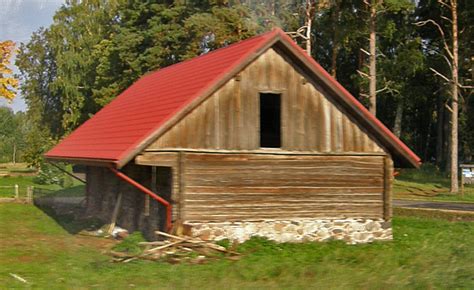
66, 207
427, 174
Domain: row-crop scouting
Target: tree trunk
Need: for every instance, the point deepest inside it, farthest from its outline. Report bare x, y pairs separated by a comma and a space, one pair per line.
440, 134
447, 142
372, 59
335, 39
14, 153
309, 21
454, 103
397, 124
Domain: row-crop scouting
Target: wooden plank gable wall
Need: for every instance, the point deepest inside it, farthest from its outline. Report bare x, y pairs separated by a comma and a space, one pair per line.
229, 119
328, 165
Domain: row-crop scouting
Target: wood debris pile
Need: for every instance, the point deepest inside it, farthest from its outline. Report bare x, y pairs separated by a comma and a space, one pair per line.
177, 249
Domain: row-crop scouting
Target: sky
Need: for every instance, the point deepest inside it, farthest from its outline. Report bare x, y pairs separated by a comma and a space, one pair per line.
18, 19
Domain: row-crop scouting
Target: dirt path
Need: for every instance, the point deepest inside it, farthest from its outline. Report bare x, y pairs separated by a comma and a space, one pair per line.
434, 205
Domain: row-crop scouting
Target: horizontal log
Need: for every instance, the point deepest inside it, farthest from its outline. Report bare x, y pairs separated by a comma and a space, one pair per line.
289, 174
243, 186
287, 163
286, 215
217, 206
291, 199
157, 159
283, 189
268, 205
278, 154
277, 168
281, 182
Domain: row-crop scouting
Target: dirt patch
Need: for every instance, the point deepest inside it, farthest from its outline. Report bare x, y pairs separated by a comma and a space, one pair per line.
435, 205
98, 243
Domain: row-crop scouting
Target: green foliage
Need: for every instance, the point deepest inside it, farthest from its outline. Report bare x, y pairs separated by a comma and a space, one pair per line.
130, 244
96, 49
13, 127
224, 243
49, 174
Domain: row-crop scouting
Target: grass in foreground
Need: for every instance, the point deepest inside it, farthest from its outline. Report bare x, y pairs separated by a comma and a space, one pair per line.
427, 183
425, 254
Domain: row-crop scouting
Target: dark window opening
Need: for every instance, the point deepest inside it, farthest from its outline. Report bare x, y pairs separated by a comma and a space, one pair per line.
161, 184
270, 120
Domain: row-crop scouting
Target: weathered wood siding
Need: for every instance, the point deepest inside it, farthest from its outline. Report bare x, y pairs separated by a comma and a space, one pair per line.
220, 187
229, 119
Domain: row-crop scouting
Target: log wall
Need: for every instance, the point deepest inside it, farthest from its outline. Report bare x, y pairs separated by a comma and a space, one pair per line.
232, 187
229, 119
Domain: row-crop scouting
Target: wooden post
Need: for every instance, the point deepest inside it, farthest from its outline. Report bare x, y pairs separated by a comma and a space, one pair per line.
462, 182
388, 181
17, 192
181, 186
115, 213
153, 188
29, 194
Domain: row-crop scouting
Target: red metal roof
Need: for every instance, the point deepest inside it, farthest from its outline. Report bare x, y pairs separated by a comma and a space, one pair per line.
116, 131
123, 124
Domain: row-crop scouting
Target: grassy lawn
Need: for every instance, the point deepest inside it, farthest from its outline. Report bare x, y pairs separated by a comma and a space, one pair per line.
24, 176
10, 174
428, 184
426, 253
6, 168
23, 182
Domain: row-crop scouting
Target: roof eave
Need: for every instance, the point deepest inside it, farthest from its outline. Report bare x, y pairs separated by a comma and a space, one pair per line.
82, 161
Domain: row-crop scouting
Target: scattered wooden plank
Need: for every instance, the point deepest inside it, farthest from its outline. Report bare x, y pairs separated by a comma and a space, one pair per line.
18, 278
115, 213
164, 246
176, 249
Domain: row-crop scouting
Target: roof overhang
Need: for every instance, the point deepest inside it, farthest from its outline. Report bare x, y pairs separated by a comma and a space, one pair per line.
83, 161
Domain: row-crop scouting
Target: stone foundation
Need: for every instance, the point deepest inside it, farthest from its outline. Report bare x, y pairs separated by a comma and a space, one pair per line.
352, 231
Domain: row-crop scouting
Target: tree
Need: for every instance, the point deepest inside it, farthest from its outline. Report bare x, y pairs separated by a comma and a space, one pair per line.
8, 84
96, 49
451, 56
373, 55
12, 134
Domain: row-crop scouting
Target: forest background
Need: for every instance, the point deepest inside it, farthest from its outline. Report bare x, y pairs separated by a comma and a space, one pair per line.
95, 49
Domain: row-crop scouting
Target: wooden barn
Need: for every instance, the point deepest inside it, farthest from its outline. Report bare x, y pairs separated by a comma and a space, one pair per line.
254, 139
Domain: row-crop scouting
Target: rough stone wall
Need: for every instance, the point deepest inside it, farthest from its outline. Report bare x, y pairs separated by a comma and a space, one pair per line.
103, 188
352, 231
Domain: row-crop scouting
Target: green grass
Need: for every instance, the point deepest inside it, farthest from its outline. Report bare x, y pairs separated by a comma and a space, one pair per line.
24, 181
6, 168
426, 253
427, 183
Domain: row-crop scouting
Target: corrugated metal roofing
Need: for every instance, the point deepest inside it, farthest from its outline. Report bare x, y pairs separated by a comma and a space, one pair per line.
115, 132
